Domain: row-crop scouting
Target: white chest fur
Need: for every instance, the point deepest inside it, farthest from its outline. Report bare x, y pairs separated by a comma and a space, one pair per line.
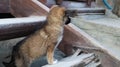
59, 38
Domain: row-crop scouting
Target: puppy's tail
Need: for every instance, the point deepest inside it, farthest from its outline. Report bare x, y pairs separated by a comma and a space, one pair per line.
12, 61
15, 54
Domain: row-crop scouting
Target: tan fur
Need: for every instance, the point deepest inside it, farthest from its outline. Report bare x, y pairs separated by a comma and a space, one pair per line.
43, 41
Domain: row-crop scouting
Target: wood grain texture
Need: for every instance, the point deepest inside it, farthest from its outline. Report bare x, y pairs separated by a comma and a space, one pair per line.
88, 2
4, 6
77, 61
43, 1
19, 27
24, 8
71, 36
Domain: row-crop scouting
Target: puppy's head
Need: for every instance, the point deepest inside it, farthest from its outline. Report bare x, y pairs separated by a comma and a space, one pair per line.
57, 14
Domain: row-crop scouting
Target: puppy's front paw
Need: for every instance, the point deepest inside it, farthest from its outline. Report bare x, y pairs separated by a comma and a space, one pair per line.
55, 61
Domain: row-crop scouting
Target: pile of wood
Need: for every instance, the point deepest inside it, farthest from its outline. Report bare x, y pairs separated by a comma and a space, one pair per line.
80, 58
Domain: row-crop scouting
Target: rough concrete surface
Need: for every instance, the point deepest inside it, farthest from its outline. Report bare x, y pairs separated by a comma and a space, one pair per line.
104, 28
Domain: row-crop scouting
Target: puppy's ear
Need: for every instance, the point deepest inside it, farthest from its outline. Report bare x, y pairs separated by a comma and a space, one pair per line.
53, 6
64, 9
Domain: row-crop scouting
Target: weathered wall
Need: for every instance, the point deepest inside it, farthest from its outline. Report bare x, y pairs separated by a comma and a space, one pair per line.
116, 9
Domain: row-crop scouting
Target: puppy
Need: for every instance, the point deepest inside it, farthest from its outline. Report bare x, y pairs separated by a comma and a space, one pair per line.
42, 42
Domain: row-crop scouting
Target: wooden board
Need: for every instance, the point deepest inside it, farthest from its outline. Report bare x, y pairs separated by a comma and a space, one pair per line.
4, 6
24, 8
43, 1
19, 27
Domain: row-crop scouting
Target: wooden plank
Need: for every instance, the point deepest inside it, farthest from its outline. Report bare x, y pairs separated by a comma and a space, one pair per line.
73, 35
19, 27
24, 8
87, 10
88, 2
4, 6
78, 61
43, 1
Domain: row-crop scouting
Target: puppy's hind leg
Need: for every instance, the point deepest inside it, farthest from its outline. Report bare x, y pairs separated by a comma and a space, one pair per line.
24, 62
19, 62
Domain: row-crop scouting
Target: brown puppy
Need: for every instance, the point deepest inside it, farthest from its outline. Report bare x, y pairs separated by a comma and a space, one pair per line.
42, 42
